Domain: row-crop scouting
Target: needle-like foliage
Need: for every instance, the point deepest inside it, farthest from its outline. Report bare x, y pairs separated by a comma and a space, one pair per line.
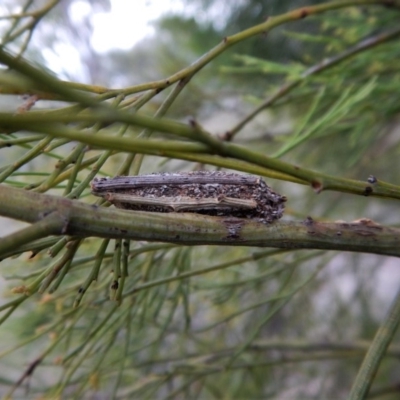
100, 302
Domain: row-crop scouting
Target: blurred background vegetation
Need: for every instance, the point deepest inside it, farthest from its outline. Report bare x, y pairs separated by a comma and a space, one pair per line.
207, 322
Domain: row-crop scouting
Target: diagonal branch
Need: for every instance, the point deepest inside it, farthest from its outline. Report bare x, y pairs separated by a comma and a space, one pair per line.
53, 223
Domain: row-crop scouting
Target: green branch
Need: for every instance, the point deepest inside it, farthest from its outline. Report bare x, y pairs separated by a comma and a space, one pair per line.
49, 225
324, 65
73, 92
180, 149
376, 352
83, 220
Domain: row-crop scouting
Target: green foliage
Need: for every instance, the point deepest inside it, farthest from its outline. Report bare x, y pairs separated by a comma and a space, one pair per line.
85, 316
